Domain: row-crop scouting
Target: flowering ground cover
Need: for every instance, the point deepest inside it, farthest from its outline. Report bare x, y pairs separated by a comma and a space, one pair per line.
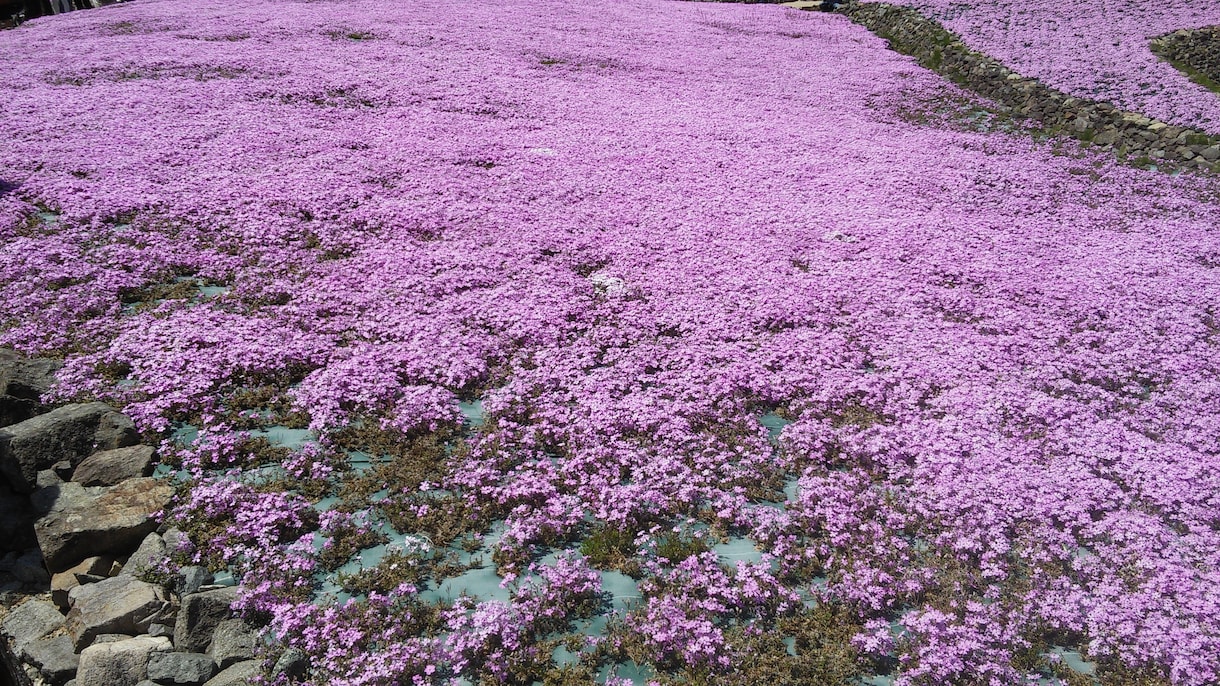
727, 345
1097, 49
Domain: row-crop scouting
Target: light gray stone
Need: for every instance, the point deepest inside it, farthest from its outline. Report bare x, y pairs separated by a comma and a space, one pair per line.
110, 467
179, 669
119, 663
233, 641
122, 604
81, 521
29, 622
166, 630
240, 674
1211, 154
199, 616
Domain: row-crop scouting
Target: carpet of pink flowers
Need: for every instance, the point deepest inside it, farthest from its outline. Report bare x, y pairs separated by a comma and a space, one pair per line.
631, 229
1095, 49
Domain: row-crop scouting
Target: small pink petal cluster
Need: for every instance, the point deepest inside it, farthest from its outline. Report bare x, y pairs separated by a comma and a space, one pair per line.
638, 231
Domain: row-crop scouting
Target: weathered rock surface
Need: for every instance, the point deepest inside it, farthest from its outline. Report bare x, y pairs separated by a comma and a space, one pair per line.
147, 557
29, 622
192, 578
240, 674
86, 571
118, 663
233, 641
110, 467
54, 657
180, 668
199, 616
30, 570
71, 432
85, 521
121, 605
293, 664
24, 377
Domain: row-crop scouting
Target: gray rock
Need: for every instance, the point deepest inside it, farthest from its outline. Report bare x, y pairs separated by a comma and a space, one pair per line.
293, 663
199, 616
233, 641
54, 657
69, 432
30, 570
180, 668
47, 478
240, 674
148, 557
123, 605
166, 630
29, 622
1211, 154
115, 430
27, 378
16, 410
110, 467
192, 578
82, 522
119, 663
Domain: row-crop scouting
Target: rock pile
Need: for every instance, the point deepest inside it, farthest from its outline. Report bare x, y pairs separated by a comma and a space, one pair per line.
1195, 51
1128, 134
84, 597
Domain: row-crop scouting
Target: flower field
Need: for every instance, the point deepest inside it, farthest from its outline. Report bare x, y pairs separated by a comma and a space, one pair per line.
1097, 49
636, 341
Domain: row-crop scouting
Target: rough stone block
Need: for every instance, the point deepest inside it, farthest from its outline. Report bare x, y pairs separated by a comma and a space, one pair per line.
199, 616
180, 669
123, 605
81, 522
110, 467
69, 432
118, 663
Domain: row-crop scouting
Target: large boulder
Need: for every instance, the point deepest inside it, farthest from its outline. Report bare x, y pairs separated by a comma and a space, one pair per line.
121, 605
29, 622
118, 663
199, 616
71, 433
180, 669
110, 467
81, 522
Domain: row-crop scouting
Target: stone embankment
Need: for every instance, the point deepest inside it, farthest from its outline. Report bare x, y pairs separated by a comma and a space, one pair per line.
86, 596
1131, 135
